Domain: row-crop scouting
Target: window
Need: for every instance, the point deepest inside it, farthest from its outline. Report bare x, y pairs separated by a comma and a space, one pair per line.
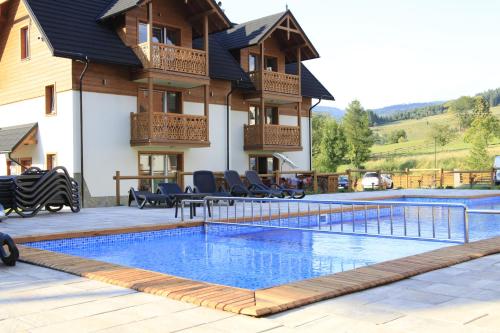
25, 50
252, 63
271, 64
157, 164
271, 115
51, 161
164, 35
25, 163
254, 115
143, 33
163, 101
50, 100
264, 164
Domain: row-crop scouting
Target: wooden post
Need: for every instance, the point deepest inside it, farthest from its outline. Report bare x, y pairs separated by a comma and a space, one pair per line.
379, 176
262, 110
277, 176
493, 178
150, 31
206, 109
441, 180
117, 184
315, 181
349, 180
206, 41
299, 69
407, 177
150, 107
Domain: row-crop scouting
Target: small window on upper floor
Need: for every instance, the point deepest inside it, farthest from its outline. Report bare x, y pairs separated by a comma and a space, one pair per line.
50, 100
143, 33
25, 49
252, 63
271, 64
51, 161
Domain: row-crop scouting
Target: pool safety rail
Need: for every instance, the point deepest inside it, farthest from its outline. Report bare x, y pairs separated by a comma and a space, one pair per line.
437, 221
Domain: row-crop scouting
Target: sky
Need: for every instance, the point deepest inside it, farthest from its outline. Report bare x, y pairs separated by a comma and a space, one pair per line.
385, 52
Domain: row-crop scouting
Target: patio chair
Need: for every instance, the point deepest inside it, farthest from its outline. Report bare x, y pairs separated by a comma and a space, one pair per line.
145, 197
204, 182
176, 195
274, 190
236, 186
10, 258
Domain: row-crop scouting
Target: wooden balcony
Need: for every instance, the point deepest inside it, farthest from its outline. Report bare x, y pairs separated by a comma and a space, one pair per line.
178, 66
275, 138
169, 130
276, 87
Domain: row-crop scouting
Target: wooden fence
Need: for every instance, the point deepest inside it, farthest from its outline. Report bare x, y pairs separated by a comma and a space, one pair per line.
317, 182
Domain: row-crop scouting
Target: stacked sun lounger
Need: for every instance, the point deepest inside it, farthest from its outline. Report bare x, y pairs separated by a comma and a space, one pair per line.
7, 187
36, 189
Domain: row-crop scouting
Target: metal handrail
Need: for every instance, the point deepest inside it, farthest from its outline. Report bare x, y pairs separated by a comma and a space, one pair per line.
365, 206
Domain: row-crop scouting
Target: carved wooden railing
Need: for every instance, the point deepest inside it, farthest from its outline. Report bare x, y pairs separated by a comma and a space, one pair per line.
172, 58
277, 82
274, 135
168, 127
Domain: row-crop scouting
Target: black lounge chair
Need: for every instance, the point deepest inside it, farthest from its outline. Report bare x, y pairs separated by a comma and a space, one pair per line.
36, 189
145, 197
236, 186
257, 185
204, 182
176, 195
276, 190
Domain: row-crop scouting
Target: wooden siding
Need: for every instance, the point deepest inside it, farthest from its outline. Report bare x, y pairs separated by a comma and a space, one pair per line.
105, 78
271, 48
26, 79
169, 13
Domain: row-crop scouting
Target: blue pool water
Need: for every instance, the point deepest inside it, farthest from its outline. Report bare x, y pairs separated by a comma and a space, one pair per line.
246, 257
256, 257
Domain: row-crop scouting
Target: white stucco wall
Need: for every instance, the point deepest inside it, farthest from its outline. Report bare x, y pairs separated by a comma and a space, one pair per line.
55, 133
106, 137
3, 164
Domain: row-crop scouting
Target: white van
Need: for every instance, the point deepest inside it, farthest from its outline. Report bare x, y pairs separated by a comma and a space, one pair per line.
496, 166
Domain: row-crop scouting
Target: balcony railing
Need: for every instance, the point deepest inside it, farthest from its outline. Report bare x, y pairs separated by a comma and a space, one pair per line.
274, 135
169, 128
277, 82
172, 58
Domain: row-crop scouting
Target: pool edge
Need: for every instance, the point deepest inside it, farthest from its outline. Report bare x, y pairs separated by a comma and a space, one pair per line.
266, 301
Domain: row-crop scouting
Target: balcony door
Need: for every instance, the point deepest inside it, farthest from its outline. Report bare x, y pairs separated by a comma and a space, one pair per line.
161, 34
264, 164
163, 101
157, 164
271, 115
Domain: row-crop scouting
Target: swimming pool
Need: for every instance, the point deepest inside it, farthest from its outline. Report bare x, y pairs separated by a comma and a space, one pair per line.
255, 257
244, 257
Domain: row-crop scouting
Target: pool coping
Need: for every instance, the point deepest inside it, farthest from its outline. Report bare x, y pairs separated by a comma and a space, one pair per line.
256, 303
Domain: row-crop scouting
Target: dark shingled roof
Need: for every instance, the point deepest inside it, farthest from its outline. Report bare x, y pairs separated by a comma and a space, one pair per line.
248, 33
10, 137
311, 87
117, 7
222, 64
73, 32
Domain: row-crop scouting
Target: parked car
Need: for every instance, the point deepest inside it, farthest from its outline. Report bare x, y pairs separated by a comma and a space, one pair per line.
496, 166
343, 183
371, 180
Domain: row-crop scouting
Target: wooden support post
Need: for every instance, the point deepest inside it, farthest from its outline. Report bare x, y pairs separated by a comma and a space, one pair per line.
261, 68
407, 177
277, 176
315, 181
150, 107
150, 32
206, 41
262, 111
493, 174
299, 122
206, 109
299, 69
262, 120
117, 184
441, 179
179, 179
349, 180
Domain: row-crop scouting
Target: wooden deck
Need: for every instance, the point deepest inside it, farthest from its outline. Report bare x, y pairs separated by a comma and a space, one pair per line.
265, 301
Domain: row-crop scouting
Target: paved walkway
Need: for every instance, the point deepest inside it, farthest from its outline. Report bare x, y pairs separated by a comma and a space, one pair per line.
462, 298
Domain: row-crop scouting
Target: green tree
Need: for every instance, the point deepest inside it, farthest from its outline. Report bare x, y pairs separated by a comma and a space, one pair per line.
442, 134
478, 158
318, 122
462, 109
358, 134
397, 136
333, 146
